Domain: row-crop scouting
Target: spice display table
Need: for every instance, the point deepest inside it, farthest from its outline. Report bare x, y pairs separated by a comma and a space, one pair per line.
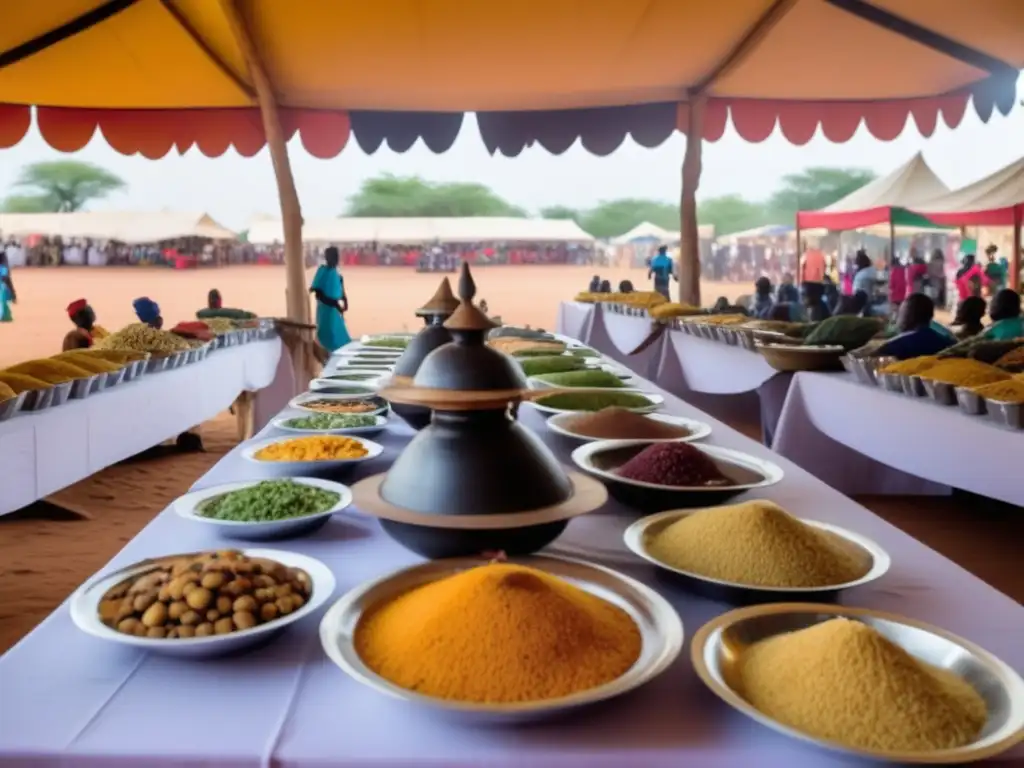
862, 439
43, 452
81, 702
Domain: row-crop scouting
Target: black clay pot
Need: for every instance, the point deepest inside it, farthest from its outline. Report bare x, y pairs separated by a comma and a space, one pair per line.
470, 365
416, 416
422, 344
475, 463
437, 543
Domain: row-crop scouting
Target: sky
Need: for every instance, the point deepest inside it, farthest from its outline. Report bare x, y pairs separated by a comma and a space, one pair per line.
233, 189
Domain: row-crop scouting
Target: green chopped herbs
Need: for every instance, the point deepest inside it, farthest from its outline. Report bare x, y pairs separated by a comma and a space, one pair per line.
594, 401
393, 342
534, 366
584, 352
268, 501
589, 378
332, 421
352, 376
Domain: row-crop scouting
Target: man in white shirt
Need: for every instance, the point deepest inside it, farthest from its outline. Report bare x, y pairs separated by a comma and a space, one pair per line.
15, 255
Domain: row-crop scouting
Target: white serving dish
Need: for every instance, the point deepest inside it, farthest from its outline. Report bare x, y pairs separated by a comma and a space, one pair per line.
656, 401
298, 402
281, 423
373, 450
84, 605
355, 388
698, 429
187, 506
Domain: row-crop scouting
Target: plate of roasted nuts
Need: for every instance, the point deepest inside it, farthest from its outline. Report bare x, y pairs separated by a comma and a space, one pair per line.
203, 603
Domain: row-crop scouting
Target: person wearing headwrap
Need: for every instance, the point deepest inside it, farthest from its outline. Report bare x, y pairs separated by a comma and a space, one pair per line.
148, 312
331, 303
213, 299
6, 297
81, 337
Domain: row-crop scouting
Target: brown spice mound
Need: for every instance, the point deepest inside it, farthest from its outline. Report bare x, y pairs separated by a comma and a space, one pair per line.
674, 464
614, 423
757, 543
843, 681
498, 633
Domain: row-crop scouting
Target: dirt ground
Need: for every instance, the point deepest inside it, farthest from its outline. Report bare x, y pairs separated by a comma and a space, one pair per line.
43, 557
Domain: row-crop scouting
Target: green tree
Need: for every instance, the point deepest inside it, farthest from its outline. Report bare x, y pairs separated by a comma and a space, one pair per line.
412, 196
612, 218
732, 213
60, 186
814, 188
560, 212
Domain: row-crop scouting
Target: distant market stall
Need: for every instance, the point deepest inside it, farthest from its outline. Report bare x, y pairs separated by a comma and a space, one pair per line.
129, 227
418, 230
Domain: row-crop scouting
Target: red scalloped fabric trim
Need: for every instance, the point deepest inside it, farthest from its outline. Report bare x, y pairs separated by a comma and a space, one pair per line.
155, 132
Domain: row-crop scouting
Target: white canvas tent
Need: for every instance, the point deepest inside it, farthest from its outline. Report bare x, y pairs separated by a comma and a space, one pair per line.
470, 229
998, 193
122, 226
648, 231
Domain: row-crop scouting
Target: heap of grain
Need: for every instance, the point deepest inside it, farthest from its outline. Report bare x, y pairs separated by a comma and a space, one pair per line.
498, 633
757, 543
961, 372
621, 424
844, 682
140, 337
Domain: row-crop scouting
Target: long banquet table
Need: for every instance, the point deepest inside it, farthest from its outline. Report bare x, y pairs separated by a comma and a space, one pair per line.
71, 700
43, 452
831, 423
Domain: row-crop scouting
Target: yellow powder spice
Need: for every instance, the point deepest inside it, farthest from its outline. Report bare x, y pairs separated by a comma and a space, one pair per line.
1009, 391
757, 543
316, 448
843, 681
962, 372
498, 633
912, 367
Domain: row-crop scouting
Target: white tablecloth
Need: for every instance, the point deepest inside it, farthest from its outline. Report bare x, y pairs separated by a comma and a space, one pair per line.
574, 320
68, 700
834, 426
41, 453
617, 335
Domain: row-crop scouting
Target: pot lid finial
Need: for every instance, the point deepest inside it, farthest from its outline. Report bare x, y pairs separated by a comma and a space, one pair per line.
443, 302
468, 316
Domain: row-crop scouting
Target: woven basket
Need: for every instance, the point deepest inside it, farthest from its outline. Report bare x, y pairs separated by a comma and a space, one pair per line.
789, 359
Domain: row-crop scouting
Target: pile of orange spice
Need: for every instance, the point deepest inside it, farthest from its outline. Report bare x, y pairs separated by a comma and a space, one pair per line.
498, 633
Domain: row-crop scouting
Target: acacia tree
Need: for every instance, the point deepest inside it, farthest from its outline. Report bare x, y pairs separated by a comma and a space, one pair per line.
60, 186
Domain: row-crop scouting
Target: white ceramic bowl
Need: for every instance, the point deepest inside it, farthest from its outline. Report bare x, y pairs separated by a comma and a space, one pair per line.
187, 506
299, 402
85, 603
281, 423
656, 401
373, 450
698, 429
353, 388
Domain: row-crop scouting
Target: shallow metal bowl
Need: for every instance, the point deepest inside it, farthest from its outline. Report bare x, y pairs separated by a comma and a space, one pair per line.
639, 533
60, 393
913, 386
890, 382
1009, 415
718, 647
157, 364
37, 399
660, 627
970, 402
115, 377
939, 391
82, 388
11, 406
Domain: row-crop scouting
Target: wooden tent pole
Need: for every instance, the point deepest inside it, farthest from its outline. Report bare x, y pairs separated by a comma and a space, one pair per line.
296, 297
689, 244
291, 212
1016, 240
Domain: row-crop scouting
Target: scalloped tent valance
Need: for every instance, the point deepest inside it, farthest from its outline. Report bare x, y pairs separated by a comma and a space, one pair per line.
154, 133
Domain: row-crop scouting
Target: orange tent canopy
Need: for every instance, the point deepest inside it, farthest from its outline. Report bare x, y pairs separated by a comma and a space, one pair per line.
160, 74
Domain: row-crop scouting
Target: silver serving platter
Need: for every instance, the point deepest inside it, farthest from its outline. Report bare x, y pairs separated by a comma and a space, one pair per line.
970, 402
939, 391
891, 382
37, 399
60, 393
637, 534
116, 377
660, 627
1010, 415
99, 383
718, 646
913, 386
157, 364
11, 406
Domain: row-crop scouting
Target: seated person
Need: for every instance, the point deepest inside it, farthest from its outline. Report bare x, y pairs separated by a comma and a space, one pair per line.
785, 312
595, 284
83, 335
148, 312
917, 336
788, 292
761, 304
605, 287
969, 314
626, 286
213, 299
852, 305
1007, 322
815, 308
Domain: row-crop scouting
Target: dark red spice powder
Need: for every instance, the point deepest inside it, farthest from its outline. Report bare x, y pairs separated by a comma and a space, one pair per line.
679, 464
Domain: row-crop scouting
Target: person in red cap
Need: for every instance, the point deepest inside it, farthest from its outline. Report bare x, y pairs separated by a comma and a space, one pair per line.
85, 332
